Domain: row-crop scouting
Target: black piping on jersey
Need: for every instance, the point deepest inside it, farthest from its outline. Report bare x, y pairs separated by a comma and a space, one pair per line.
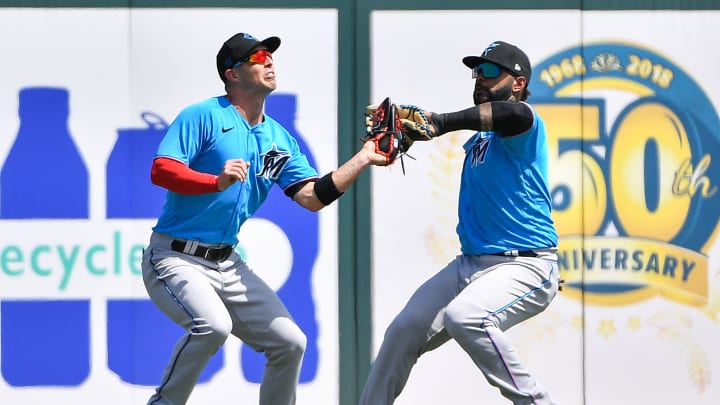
242, 186
511, 303
193, 329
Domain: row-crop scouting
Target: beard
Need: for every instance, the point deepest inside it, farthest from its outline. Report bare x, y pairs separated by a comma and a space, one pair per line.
484, 95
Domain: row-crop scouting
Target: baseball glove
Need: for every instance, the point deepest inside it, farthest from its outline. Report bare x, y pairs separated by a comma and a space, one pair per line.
414, 124
383, 128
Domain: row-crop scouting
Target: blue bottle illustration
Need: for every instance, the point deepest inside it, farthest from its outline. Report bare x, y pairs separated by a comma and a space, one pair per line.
131, 324
130, 193
38, 346
301, 227
44, 175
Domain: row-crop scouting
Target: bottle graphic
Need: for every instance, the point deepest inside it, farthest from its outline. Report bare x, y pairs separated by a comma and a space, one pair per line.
301, 228
44, 175
131, 324
130, 193
45, 343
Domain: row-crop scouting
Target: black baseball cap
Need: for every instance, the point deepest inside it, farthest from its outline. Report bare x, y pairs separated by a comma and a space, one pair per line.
239, 46
503, 54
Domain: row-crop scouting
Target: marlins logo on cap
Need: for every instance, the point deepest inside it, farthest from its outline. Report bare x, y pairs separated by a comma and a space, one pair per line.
503, 54
239, 46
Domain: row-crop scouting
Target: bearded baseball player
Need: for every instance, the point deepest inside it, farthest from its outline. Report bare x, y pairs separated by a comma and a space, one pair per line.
218, 161
507, 270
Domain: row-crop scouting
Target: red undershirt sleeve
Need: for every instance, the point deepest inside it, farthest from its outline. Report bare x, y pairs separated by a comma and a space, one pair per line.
179, 178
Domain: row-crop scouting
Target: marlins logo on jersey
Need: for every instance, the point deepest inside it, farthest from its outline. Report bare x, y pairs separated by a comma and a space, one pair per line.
479, 149
273, 162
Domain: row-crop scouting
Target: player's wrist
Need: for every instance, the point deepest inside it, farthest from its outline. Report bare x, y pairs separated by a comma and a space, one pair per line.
437, 123
326, 190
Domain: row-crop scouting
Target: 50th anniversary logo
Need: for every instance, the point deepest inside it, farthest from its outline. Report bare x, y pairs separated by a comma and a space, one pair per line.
634, 188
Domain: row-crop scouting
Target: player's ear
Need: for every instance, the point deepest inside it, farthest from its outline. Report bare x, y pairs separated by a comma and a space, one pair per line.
519, 84
230, 74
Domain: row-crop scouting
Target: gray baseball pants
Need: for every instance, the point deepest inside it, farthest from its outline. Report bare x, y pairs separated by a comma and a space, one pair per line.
211, 301
473, 300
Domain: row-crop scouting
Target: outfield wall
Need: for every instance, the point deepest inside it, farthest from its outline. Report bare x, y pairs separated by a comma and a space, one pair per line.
87, 90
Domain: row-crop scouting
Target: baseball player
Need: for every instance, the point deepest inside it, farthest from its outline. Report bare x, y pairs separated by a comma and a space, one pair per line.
218, 160
507, 271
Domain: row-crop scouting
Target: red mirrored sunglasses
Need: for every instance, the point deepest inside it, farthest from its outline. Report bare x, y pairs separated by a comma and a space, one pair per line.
259, 56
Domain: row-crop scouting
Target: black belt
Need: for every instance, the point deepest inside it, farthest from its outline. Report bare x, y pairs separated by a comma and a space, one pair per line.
523, 253
215, 254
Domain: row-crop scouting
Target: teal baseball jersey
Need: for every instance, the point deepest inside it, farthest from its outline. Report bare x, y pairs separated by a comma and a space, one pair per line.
204, 136
525, 200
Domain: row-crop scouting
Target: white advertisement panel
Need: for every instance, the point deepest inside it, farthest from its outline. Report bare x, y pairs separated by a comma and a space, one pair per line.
633, 132
86, 96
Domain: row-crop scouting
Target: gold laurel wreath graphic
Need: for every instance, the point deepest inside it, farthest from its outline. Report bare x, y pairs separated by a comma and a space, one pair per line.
540, 328
441, 240
712, 309
444, 176
674, 328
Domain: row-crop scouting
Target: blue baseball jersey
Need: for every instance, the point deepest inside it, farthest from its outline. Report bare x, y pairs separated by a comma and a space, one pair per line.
204, 136
504, 194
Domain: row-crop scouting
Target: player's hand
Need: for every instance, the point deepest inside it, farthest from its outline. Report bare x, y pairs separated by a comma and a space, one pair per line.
375, 158
560, 283
234, 170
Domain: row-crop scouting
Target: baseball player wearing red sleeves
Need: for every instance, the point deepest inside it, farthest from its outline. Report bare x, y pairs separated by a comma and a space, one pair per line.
507, 271
218, 161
